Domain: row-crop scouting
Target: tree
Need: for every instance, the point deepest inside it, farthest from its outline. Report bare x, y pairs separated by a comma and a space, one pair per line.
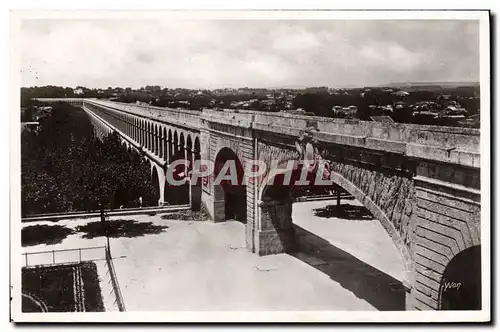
65, 168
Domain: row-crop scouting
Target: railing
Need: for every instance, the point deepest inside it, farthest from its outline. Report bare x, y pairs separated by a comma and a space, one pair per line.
49, 257
114, 281
312, 198
114, 212
179, 117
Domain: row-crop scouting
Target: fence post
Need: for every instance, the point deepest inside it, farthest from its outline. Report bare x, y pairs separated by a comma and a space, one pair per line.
26, 258
80, 254
53, 256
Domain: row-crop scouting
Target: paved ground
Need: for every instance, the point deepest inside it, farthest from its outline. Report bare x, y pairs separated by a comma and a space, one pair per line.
365, 239
204, 266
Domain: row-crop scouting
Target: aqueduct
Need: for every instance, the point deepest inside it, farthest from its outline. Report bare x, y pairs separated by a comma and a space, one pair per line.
422, 183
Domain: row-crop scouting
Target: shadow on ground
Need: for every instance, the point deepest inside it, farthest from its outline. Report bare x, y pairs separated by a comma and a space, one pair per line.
344, 211
119, 228
44, 234
366, 282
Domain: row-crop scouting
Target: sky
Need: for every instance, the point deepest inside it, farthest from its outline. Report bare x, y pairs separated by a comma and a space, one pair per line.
247, 53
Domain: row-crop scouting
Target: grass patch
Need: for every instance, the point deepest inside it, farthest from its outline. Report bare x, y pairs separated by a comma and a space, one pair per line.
44, 234
187, 215
53, 286
119, 228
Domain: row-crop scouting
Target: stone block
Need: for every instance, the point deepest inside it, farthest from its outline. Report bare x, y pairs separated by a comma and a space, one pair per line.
275, 242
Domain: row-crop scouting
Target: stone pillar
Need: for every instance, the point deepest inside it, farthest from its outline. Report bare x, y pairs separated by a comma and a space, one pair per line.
446, 221
186, 172
154, 141
150, 140
275, 233
174, 151
195, 187
167, 151
147, 138
157, 142
161, 180
219, 204
160, 147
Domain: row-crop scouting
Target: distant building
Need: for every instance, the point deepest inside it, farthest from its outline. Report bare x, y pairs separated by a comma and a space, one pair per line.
78, 91
401, 93
344, 112
399, 105
453, 112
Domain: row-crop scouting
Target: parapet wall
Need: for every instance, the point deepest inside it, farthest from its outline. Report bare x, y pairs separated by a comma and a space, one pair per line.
444, 144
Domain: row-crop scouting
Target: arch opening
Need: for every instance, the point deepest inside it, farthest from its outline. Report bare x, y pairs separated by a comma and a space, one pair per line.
334, 223
163, 151
230, 197
170, 148
153, 198
196, 185
460, 287
175, 193
155, 140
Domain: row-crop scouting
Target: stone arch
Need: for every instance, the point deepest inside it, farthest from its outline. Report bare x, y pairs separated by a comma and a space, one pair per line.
151, 136
170, 146
196, 185
189, 141
269, 209
158, 179
197, 145
164, 148
155, 139
130, 125
230, 199
137, 130
182, 142
148, 135
382, 218
189, 151
155, 181
460, 284
175, 146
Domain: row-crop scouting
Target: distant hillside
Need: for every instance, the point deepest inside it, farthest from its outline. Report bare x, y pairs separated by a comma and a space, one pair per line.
404, 85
